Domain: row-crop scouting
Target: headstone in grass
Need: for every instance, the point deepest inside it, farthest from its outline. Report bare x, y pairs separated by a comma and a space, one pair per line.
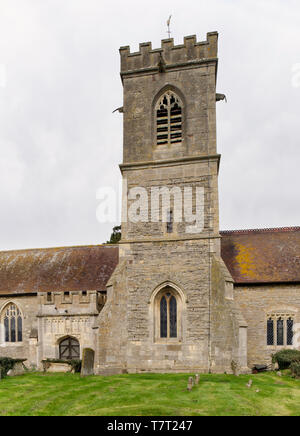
197, 379
88, 357
249, 384
190, 384
235, 368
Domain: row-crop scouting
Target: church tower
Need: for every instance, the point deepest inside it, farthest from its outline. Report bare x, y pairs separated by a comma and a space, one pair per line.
170, 303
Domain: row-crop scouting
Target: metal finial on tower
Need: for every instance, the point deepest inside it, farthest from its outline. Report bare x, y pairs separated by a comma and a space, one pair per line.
168, 24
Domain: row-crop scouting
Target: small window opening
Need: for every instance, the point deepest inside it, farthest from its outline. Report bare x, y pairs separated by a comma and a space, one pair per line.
170, 221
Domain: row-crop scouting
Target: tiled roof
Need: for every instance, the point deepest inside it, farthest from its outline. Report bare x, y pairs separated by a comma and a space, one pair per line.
262, 255
61, 269
252, 256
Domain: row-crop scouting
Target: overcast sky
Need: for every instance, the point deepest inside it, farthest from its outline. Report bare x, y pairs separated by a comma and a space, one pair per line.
59, 83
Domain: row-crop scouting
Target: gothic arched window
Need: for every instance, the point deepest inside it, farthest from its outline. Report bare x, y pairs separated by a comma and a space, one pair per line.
168, 308
168, 316
69, 349
168, 112
13, 323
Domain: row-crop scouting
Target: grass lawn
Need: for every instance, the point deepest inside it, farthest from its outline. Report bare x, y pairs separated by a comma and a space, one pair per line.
148, 395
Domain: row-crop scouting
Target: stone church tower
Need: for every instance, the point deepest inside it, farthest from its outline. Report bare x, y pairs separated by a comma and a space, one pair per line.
173, 294
170, 302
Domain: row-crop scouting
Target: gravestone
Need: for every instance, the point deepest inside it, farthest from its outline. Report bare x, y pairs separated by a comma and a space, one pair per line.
87, 366
56, 366
190, 384
18, 369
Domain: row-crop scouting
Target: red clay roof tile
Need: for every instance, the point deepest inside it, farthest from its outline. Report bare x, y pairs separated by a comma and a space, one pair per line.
61, 269
252, 256
262, 255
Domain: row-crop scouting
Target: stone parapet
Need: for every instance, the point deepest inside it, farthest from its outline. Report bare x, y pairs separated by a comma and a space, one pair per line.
169, 55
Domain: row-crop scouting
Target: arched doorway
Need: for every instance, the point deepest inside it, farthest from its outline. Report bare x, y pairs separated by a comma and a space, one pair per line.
69, 348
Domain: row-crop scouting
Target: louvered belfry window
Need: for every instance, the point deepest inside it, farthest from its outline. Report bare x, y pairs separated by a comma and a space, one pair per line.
169, 119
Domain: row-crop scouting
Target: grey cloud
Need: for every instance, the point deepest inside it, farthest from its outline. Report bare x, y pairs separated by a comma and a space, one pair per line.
59, 140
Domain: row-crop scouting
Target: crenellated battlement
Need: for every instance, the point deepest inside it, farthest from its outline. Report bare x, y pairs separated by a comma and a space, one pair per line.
169, 55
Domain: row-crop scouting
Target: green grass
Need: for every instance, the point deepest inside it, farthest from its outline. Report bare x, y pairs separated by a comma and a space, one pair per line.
148, 395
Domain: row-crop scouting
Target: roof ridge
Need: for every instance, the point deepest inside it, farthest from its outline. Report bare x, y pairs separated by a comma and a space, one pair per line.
59, 248
263, 230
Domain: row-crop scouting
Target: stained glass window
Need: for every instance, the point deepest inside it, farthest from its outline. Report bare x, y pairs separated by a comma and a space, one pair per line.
270, 332
20, 323
173, 317
280, 331
289, 331
163, 318
168, 316
6, 328
13, 324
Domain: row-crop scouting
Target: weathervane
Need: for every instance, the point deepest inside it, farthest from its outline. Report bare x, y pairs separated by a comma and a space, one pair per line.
168, 24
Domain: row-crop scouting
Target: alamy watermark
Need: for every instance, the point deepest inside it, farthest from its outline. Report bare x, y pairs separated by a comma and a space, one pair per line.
154, 204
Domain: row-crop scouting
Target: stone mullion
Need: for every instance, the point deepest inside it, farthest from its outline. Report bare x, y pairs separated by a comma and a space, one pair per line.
284, 330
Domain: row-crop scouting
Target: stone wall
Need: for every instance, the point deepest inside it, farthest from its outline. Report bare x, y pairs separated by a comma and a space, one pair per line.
190, 174
112, 332
27, 349
128, 341
153, 259
228, 336
256, 302
192, 77
63, 314
127, 321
